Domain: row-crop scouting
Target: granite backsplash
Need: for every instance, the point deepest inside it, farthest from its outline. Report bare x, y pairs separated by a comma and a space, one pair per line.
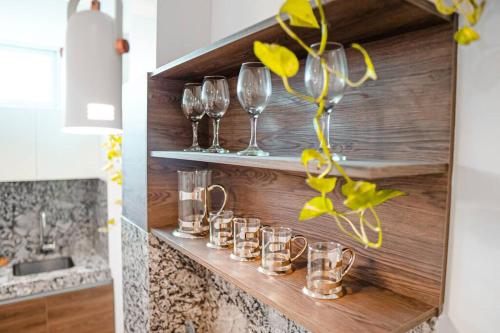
75, 209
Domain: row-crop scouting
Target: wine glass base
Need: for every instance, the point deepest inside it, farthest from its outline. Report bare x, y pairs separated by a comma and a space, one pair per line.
196, 149
251, 151
338, 157
217, 150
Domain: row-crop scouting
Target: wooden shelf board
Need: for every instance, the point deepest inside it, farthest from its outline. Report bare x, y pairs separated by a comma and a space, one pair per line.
351, 21
366, 308
368, 169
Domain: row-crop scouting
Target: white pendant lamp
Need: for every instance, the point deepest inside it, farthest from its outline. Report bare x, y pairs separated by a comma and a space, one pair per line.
93, 71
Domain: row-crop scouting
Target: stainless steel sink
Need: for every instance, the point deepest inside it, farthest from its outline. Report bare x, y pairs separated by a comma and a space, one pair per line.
42, 266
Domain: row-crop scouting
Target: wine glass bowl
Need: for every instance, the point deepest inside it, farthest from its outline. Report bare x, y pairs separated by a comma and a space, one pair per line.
215, 99
193, 110
254, 91
336, 60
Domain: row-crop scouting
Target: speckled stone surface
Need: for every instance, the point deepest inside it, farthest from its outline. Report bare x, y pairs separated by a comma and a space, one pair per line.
135, 278
75, 210
427, 327
183, 291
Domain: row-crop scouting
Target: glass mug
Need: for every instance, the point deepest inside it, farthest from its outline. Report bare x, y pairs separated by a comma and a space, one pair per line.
246, 239
325, 270
221, 229
194, 202
277, 250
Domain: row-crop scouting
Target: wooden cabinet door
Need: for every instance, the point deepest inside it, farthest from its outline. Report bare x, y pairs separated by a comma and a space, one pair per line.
24, 317
85, 311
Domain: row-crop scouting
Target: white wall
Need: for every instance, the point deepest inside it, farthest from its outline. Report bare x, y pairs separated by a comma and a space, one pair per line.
183, 26
473, 292
231, 16
188, 25
32, 145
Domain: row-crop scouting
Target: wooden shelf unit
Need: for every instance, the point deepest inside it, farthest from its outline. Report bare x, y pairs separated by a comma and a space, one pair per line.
366, 308
371, 169
349, 19
397, 130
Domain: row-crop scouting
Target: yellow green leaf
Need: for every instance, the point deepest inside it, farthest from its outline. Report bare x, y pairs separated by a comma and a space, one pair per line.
477, 10
117, 178
466, 35
116, 138
358, 194
383, 195
315, 207
108, 167
370, 68
322, 185
301, 13
114, 154
443, 8
112, 221
361, 195
310, 155
277, 58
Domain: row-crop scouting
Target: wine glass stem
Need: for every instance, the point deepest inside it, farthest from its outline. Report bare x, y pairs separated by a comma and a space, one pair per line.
215, 142
253, 132
326, 126
195, 133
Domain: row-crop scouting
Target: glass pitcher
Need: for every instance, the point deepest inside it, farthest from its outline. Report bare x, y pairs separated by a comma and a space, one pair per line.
194, 202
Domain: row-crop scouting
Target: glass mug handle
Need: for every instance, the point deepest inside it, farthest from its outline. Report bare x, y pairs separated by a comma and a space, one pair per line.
220, 187
294, 238
352, 256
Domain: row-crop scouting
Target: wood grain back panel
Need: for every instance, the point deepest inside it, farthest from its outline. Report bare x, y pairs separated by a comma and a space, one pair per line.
405, 114
167, 128
410, 260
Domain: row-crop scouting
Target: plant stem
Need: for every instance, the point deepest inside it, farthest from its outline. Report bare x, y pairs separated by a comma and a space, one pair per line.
324, 27
290, 90
294, 36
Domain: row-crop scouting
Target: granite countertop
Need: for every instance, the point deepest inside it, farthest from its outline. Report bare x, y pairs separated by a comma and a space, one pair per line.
90, 270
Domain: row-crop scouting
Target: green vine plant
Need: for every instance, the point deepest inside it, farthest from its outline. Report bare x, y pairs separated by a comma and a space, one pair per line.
113, 146
471, 10
358, 219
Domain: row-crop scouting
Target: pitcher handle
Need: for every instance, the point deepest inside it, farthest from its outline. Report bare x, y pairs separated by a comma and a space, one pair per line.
352, 256
294, 238
220, 187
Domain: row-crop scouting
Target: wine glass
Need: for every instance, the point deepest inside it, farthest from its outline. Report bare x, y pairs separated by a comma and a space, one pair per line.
335, 58
193, 110
215, 98
254, 91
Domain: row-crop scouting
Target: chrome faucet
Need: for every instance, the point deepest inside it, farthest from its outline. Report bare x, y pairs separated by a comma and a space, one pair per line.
45, 247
